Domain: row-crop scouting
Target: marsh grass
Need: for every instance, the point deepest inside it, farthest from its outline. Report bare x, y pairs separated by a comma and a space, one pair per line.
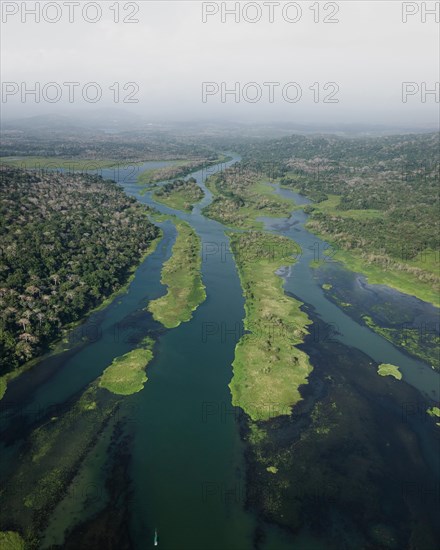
268, 368
181, 274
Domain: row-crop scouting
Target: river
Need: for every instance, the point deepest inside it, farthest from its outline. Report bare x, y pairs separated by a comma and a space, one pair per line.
187, 470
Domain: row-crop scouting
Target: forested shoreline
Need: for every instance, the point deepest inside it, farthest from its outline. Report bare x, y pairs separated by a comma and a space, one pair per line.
68, 242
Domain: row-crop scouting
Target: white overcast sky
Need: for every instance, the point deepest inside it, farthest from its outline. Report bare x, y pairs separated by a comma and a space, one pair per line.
170, 52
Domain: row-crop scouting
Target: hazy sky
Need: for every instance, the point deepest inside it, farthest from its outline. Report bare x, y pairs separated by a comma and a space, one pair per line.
357, 64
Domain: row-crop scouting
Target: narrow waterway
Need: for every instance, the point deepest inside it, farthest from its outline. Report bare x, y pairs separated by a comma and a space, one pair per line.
301, 281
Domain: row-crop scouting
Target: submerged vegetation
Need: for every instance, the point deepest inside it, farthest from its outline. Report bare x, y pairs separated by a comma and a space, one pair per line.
55, 450
181, 274
268, 368
410, 325
329, 453
337, 456
180, 194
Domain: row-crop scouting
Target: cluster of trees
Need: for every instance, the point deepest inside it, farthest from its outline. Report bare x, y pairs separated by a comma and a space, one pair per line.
237, 201
67, 242
187, 188
126, 147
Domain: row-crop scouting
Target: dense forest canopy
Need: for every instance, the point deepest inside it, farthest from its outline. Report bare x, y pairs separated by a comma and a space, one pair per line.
67, 242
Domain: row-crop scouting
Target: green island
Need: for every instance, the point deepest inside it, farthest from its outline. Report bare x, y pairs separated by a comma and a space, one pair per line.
268, 369
178, 169
9, 540
241, 196
386, 369
179, 194
181, 274
434, 411
126, 375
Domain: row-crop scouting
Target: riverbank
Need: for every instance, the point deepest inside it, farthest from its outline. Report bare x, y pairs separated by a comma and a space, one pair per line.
63, 344
391, 275
403, 275
268, 368
181, 274
53, 163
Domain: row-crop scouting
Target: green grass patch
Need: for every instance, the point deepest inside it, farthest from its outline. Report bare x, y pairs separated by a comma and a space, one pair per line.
268, 369
181, 274
434, 412
327, 286
386, 369
9, 540
180, 194
126, 375
331, 206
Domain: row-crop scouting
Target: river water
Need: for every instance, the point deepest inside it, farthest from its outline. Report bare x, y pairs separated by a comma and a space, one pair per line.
187, 470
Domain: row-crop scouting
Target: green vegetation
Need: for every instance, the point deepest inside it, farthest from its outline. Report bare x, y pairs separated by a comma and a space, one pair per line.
9, 540
126, 375
180, 194
327, 286
242, 196
386, 369
68, 242
268, 369
434, 412
55, 451
424, 347
41, 164
409, 279
181, 274
179, 169
375, 198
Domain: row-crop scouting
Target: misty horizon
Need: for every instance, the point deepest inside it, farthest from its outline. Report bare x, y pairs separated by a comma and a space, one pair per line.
331, 64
